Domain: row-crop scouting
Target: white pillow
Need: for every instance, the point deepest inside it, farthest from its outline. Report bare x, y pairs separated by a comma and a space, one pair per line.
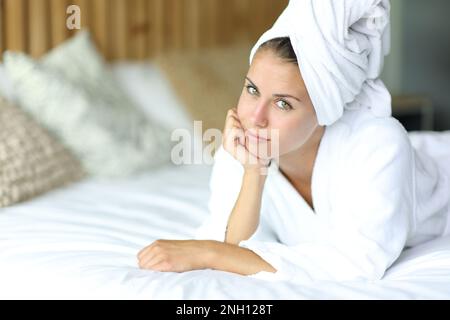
74, 95
162, 102
426, 260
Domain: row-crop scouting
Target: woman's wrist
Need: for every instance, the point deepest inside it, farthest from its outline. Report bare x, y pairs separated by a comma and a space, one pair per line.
256, 174
232, 258
216, 254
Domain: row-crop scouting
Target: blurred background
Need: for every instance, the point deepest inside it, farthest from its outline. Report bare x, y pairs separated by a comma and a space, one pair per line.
203, 47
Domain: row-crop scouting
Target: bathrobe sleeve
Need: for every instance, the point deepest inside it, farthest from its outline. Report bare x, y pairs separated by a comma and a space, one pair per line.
370, 220
225, 184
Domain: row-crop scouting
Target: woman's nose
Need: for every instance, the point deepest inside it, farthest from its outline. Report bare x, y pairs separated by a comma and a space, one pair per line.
259, 115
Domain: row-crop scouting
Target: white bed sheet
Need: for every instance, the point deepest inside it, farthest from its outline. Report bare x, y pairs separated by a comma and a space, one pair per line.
81, 242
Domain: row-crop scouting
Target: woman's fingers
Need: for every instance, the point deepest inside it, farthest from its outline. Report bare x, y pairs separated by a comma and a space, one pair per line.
233, 131
246, 156
146, 253
239, 136
152, 262
150, 257
233, 121
143, 252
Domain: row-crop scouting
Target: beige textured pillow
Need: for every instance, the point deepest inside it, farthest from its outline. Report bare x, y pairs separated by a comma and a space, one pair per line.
32, 162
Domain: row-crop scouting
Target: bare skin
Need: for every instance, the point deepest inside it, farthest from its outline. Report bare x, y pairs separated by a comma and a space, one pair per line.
274, 97
187, 255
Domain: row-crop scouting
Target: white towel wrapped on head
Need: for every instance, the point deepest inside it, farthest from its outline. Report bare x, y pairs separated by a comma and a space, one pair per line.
340, 46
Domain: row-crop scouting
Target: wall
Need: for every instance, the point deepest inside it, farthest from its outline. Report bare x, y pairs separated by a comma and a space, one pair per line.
426, 54
136, 29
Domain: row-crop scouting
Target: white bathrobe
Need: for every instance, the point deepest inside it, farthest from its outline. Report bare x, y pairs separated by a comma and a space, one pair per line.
373, 195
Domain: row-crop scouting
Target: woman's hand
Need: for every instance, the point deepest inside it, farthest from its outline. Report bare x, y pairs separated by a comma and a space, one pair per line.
176, 255
237, 144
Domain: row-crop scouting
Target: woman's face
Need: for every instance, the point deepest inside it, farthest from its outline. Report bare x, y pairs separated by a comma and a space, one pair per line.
275, 98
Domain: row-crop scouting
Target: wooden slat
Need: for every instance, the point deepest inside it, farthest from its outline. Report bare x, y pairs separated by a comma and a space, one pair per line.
59, 31
137, 29
87, 18
157, 28
39, 35
168, 24
1, 30
118, 29
240, 14
274, 9
178, 24
209, 21
192, 25
99, 25
173, 24
203, 24
258, 23
15, 25
224, 23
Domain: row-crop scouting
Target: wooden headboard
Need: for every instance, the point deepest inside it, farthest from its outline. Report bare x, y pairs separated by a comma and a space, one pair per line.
136, 29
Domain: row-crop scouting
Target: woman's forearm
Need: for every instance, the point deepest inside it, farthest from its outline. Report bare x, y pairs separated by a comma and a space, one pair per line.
232, 258
244, 218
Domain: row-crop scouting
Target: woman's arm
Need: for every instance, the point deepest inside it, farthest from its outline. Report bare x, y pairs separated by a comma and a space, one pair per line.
187, 255
244, 218
232, 258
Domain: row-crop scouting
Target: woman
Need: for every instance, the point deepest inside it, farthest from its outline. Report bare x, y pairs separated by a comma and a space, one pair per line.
345, 192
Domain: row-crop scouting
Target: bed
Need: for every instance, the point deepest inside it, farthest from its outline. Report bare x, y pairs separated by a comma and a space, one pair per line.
80, 242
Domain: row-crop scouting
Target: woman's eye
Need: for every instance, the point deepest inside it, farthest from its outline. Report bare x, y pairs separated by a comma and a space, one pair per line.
283, 105
252, 90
